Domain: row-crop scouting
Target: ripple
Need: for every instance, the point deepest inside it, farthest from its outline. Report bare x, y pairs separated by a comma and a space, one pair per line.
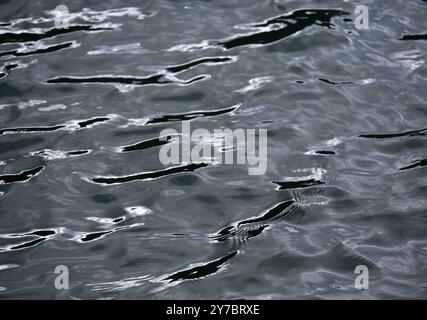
129, 48
22, 176
28, 244
10, 37
205, 60
297, 184
70, 126
335, 82
49, 154
419, 132
96, 16
8, 266
201, 270
414, 37
415, 164
163, 78
39, 50
146, 144
94, 236
128, 80
148, 176
191, 115
30, 129
271, 30
245, 229
256, 83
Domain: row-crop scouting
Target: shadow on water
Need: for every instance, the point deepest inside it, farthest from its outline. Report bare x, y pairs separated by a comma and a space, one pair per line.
22, 176
415, 164
420, 132
298, 184
48, 49
146, 144
10, 37
162, 78
75, 124
281, 27
146, 176
190, 115
202, 270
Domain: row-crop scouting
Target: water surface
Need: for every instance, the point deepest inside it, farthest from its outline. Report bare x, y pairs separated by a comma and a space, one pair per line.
81, 184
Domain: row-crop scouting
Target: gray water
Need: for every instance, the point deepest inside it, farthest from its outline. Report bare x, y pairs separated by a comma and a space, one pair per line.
346, 115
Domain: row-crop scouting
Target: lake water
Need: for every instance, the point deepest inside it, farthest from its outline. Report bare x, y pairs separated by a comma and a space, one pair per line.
81, 184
